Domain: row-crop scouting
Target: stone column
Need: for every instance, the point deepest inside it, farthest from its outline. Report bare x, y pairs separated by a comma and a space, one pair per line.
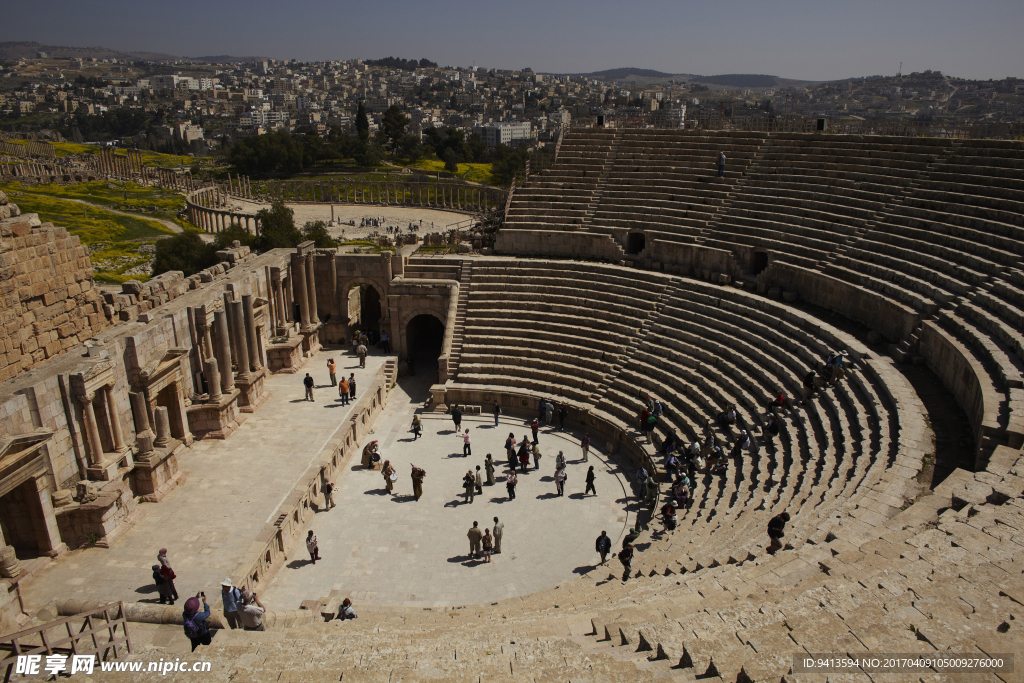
116, 435
311, 288
299, 278
236, 334
92, 431
139, 412
282, 314
238, 318
250, 332
220, 322
213, 379
143, 436
163, 427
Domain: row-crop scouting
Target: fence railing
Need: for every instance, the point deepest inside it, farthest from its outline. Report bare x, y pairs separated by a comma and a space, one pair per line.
100, 632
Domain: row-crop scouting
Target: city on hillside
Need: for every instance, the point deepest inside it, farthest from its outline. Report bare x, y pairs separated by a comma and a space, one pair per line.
196, 108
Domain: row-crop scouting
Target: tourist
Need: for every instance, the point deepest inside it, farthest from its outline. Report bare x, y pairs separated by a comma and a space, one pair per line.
776, 530
668, 515
524, 453
385, 342
510, 450
721, 164
631, 536
417, 427
479, 482
194, 621
560, 478
535, 428
585, 447
469, 485
389, 474
312, 547
780, 401
475, 536
466, 450
560, 460
742, 444
649, 425
510, 484
355, 342
489, 469
626, 558
330, 368
549, 412
343, 391
590, 481
563, 415
771, 429
488, 544
308, 383
418, 475
541, 409
603, 545
497, 411
361, 351
837, 368
162, 587
328, 491
535, 450
352, 385
729, 417
252, 611
456, 414
810, 385
652, 491
499, 531
346, 611
167, 573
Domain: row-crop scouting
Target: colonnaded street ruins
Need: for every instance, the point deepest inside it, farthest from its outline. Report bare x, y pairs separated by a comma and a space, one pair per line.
781, 372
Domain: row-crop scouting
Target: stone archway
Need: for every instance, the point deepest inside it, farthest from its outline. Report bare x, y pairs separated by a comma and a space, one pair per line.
354, 293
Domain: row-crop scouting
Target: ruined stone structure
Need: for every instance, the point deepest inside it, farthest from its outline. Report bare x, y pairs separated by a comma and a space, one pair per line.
49, 302
627, 269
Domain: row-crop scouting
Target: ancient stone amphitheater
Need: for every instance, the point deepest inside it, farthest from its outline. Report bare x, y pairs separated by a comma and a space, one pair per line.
629, 268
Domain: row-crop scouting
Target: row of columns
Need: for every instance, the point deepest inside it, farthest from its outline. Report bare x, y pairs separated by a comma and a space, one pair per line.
232, 351
92, 431
465, 197
212, 220
304, 277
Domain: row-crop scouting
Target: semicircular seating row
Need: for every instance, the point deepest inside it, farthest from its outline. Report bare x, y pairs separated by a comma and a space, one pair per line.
921, 239
601, 337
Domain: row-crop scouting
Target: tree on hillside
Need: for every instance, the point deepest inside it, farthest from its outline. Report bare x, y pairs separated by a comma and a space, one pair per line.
317, 231
392, 126
362, 122
272, 153
277, 228
186, 252
235, 231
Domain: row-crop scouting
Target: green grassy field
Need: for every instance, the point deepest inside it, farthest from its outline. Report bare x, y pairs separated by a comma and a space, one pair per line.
126, 195
474, 173
118, 243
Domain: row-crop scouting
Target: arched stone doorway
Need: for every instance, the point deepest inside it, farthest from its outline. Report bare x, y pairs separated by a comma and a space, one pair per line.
424, 338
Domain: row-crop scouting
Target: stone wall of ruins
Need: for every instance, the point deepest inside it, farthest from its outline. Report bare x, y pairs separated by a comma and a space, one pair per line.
49, 303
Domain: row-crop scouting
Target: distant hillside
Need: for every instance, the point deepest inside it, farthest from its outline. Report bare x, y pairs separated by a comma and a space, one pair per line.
628, 73
739, 80
643, 77
28, 50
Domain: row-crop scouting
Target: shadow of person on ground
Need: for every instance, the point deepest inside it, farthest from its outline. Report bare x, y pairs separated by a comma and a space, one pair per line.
297, 564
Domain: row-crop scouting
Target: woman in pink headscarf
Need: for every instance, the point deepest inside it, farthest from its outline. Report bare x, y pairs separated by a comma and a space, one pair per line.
167, 574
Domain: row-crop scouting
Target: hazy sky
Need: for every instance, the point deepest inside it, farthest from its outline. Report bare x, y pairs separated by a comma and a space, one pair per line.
819, 40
